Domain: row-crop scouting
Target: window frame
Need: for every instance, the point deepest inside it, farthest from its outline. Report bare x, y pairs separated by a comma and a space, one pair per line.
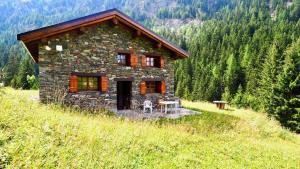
154, 87
125, 61
88, 87
155, 62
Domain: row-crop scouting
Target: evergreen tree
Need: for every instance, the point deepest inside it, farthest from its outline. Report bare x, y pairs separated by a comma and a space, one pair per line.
287, 92
33, 82
226, 95
238, 99
295, 13
268, 80
26, 69
236, 48
231, 76
11, 69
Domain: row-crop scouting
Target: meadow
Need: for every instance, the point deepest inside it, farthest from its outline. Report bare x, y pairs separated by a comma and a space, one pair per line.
33, 135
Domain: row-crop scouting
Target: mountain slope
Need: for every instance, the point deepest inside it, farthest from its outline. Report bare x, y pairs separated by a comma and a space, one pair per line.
24, 15
47, 136
244, 52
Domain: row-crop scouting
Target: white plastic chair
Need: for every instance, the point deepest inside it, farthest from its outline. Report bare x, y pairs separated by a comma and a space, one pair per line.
177, 105
148, 105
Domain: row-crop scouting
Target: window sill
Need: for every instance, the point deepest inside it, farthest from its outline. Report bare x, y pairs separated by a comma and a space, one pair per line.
125, 67
152, 67
153, 94
89, 91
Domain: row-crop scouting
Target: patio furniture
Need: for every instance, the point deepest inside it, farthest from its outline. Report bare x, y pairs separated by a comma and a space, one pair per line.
220, 104
178, 105
168, 103
147, 105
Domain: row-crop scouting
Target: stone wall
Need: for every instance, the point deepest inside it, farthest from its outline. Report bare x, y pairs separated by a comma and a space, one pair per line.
95, 51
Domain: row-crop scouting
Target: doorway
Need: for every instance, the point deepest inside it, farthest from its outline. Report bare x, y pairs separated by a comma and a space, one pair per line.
124, 95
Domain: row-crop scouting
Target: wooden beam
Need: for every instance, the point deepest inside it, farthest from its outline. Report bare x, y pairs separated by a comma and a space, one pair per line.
124, 79
137, 33
44, 41
55, 30
176, 56
115, 21
114, 16
158, 45
82, 29
33, 49
131, 50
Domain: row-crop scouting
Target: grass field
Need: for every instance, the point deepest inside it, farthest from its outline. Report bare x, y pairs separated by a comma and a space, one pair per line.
48, 136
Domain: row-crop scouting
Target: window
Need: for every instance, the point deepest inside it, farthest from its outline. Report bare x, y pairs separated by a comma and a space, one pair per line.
153, 86
123, 59
88, 83
152, 61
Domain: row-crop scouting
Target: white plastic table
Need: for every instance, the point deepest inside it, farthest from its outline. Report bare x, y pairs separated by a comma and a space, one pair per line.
166, 103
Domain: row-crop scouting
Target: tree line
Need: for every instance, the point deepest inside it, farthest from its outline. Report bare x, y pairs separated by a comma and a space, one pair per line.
248, 56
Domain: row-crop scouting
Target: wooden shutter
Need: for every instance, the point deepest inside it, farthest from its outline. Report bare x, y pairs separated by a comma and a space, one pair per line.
103, 84
163, 87
133, 60
143, 88
144, 61
162, 62
73, 84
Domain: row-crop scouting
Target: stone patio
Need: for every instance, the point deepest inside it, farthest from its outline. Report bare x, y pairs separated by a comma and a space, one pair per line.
156, 114
139, 115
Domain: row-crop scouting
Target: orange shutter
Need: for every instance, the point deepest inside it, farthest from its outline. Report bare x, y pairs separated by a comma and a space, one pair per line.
133, 60
73, 84
143, 88
104, 84
144, 63
163, 87
162, 62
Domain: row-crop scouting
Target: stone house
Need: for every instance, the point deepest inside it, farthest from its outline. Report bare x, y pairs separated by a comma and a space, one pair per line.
102, 60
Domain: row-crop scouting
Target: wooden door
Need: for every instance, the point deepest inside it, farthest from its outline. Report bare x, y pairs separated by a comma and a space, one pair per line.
124, 95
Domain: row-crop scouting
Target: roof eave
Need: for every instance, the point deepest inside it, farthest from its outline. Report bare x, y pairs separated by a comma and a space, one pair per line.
45, 32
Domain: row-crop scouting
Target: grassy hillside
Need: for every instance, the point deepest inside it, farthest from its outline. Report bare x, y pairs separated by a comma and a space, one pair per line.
39, 136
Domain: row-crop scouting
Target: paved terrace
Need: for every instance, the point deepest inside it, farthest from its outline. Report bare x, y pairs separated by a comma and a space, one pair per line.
156, 114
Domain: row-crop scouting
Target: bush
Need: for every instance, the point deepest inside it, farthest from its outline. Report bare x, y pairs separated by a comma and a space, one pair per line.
33, 82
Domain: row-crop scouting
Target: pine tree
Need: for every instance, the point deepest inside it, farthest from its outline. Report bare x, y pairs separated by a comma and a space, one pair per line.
231, 76
226, 95
295, 13
179, 89
238, 99
268, 80
26, 69
11, 69
287, 91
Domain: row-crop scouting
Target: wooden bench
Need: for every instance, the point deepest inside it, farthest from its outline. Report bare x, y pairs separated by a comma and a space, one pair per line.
220, 104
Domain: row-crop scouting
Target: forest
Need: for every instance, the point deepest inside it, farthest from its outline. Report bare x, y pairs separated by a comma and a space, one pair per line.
245, 52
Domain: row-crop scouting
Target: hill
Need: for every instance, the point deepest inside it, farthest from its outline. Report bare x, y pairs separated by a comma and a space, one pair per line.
48, 136
245, 52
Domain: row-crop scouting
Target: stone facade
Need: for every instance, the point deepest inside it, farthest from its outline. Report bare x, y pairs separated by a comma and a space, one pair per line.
95, 51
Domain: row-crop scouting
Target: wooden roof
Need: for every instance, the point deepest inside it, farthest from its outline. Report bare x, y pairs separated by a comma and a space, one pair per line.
32, 38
